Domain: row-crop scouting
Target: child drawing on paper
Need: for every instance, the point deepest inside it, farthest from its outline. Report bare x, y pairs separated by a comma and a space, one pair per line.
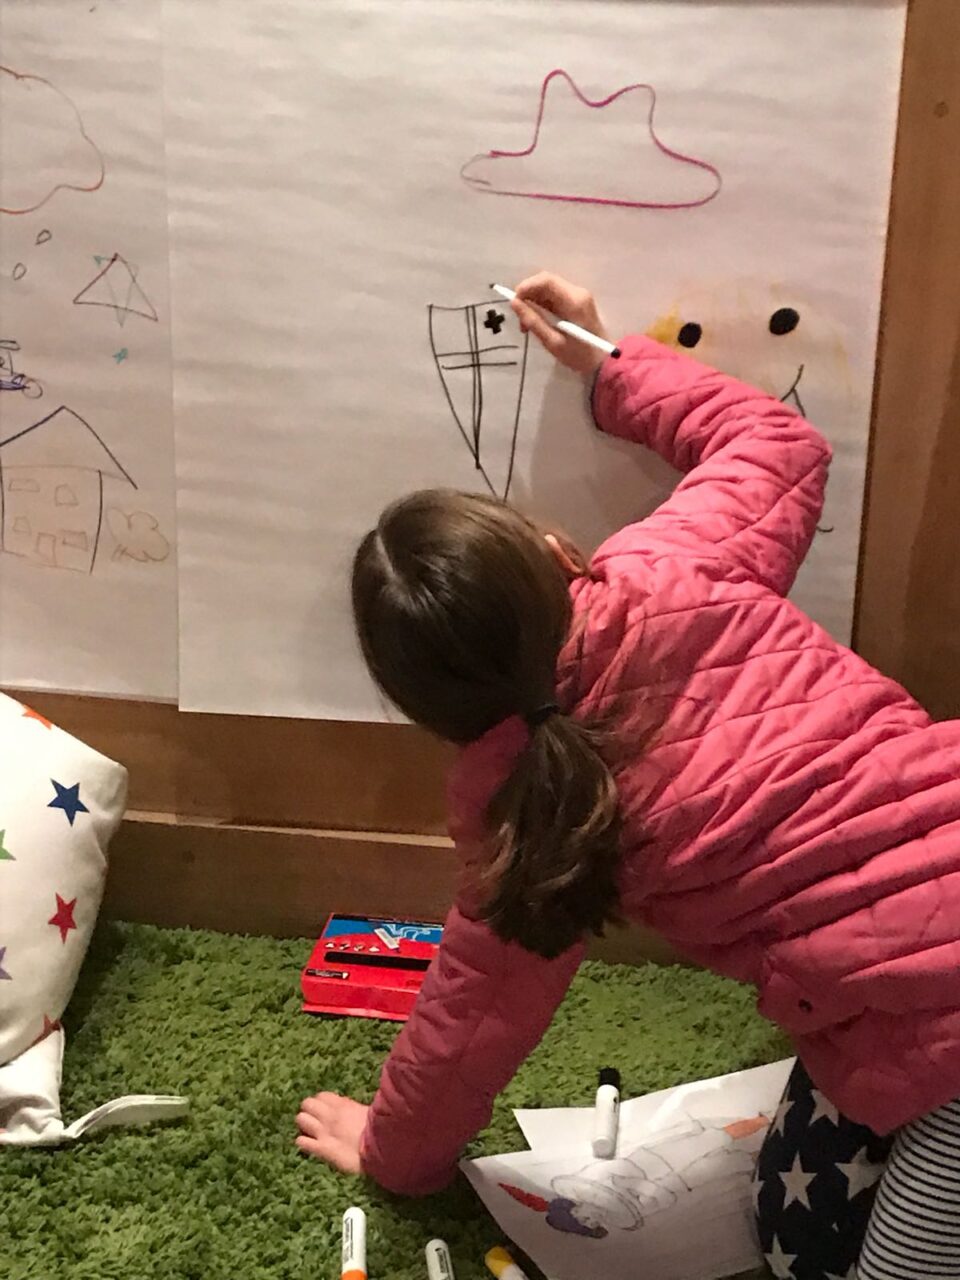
620, 1195
658, 735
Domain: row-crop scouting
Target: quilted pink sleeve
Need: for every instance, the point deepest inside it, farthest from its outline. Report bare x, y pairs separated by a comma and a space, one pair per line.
483, 1008
755, 470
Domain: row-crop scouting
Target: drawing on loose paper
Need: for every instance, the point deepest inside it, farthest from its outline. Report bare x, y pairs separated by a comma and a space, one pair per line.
622, 1194
570, 156
46, 145
481, 359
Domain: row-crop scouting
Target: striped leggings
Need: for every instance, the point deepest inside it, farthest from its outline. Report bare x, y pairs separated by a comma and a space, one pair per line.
836, 1202
914, 1230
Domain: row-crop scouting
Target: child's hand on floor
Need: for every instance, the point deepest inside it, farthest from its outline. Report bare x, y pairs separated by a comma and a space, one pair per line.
331, 1129
567, 302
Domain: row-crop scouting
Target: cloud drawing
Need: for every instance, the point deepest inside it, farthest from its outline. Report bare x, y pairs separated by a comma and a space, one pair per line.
603, 151
137, 536
45, 145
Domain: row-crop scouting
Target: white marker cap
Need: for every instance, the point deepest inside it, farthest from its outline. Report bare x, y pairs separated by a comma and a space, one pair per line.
439, 1264
354, 1262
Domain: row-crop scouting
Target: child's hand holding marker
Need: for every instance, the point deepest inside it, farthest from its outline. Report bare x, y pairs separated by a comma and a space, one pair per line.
575, 336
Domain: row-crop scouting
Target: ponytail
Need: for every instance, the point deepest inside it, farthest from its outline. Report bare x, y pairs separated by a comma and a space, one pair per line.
462, 608
554, 840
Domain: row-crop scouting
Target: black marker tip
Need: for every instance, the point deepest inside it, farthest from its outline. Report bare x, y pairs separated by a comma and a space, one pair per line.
616, 353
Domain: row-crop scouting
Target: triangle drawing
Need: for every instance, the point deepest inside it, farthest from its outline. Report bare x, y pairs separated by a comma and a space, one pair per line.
116, 286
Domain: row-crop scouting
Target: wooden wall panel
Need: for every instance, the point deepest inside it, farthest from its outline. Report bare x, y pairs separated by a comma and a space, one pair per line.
285, 883
273, 881
262, 771
908, 616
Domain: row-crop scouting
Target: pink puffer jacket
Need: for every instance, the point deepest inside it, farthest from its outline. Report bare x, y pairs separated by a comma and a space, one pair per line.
794, 822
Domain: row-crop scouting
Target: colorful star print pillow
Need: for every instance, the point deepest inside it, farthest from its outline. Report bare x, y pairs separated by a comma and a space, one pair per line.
60, 802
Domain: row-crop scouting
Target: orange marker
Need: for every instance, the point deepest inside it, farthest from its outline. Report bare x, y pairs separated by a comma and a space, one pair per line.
500, 1264
354, 1264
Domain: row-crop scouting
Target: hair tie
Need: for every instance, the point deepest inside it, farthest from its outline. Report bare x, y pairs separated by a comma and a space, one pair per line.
536, 718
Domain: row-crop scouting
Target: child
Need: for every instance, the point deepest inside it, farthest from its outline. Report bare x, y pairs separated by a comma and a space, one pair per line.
662, 737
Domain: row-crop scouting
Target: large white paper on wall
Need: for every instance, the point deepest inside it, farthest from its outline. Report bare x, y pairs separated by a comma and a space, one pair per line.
87, 518
718, 172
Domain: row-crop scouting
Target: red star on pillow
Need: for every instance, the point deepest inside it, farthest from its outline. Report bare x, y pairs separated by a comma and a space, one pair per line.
63, 917
49, 1026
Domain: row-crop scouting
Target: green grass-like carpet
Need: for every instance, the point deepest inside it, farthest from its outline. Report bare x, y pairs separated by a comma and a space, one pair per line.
226, 1194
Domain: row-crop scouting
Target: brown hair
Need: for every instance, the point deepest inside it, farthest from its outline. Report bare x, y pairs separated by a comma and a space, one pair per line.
461, 609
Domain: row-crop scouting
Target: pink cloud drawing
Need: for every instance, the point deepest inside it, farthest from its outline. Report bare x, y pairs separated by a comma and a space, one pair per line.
567, 159
46, 147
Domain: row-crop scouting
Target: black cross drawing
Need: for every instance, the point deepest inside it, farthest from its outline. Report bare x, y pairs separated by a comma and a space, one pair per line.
494, 321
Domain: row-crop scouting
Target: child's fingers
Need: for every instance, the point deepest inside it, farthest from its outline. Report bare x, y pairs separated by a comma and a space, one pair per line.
316, 1139
531, 321
310, 1124
332, 1151
318, 1147
546, 289
320, 1104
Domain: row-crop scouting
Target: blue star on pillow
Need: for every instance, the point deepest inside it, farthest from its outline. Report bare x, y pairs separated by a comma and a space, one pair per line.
68, 799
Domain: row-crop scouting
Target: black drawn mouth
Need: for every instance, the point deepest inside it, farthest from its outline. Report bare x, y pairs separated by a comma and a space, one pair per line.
793, 395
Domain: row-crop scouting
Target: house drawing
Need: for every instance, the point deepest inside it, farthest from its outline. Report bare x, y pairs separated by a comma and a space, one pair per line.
52, 477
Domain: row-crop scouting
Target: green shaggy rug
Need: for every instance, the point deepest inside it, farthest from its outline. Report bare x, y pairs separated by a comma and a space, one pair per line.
225, 1195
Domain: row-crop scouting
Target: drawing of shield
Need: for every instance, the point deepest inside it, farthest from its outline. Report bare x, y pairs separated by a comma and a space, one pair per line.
481, 359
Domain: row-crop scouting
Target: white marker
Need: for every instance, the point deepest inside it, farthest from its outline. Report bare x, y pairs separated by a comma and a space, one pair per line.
354, 1264
566, 326
606, 1115
439, 1266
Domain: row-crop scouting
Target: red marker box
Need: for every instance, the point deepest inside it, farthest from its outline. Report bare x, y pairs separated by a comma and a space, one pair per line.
369, 967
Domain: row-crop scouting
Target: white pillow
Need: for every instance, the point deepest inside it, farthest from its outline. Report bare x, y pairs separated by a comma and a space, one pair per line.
60, 803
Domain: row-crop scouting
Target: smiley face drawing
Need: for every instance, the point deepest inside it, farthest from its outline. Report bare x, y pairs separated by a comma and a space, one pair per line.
769, 336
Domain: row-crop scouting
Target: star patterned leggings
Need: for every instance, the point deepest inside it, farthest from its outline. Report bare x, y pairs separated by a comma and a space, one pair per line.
836, 1202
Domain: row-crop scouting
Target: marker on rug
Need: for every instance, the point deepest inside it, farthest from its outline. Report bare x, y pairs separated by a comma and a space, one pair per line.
354, 1262
502, 1265
606, 1115
439, 1263
566, 326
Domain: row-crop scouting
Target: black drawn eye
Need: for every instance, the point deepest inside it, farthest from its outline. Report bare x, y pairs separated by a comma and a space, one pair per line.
784, 320
690, 335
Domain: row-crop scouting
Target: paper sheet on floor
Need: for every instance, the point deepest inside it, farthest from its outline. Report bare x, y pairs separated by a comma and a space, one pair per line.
675, 1203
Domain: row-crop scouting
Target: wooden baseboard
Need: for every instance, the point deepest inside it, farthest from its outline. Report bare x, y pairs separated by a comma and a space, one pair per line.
284, 882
